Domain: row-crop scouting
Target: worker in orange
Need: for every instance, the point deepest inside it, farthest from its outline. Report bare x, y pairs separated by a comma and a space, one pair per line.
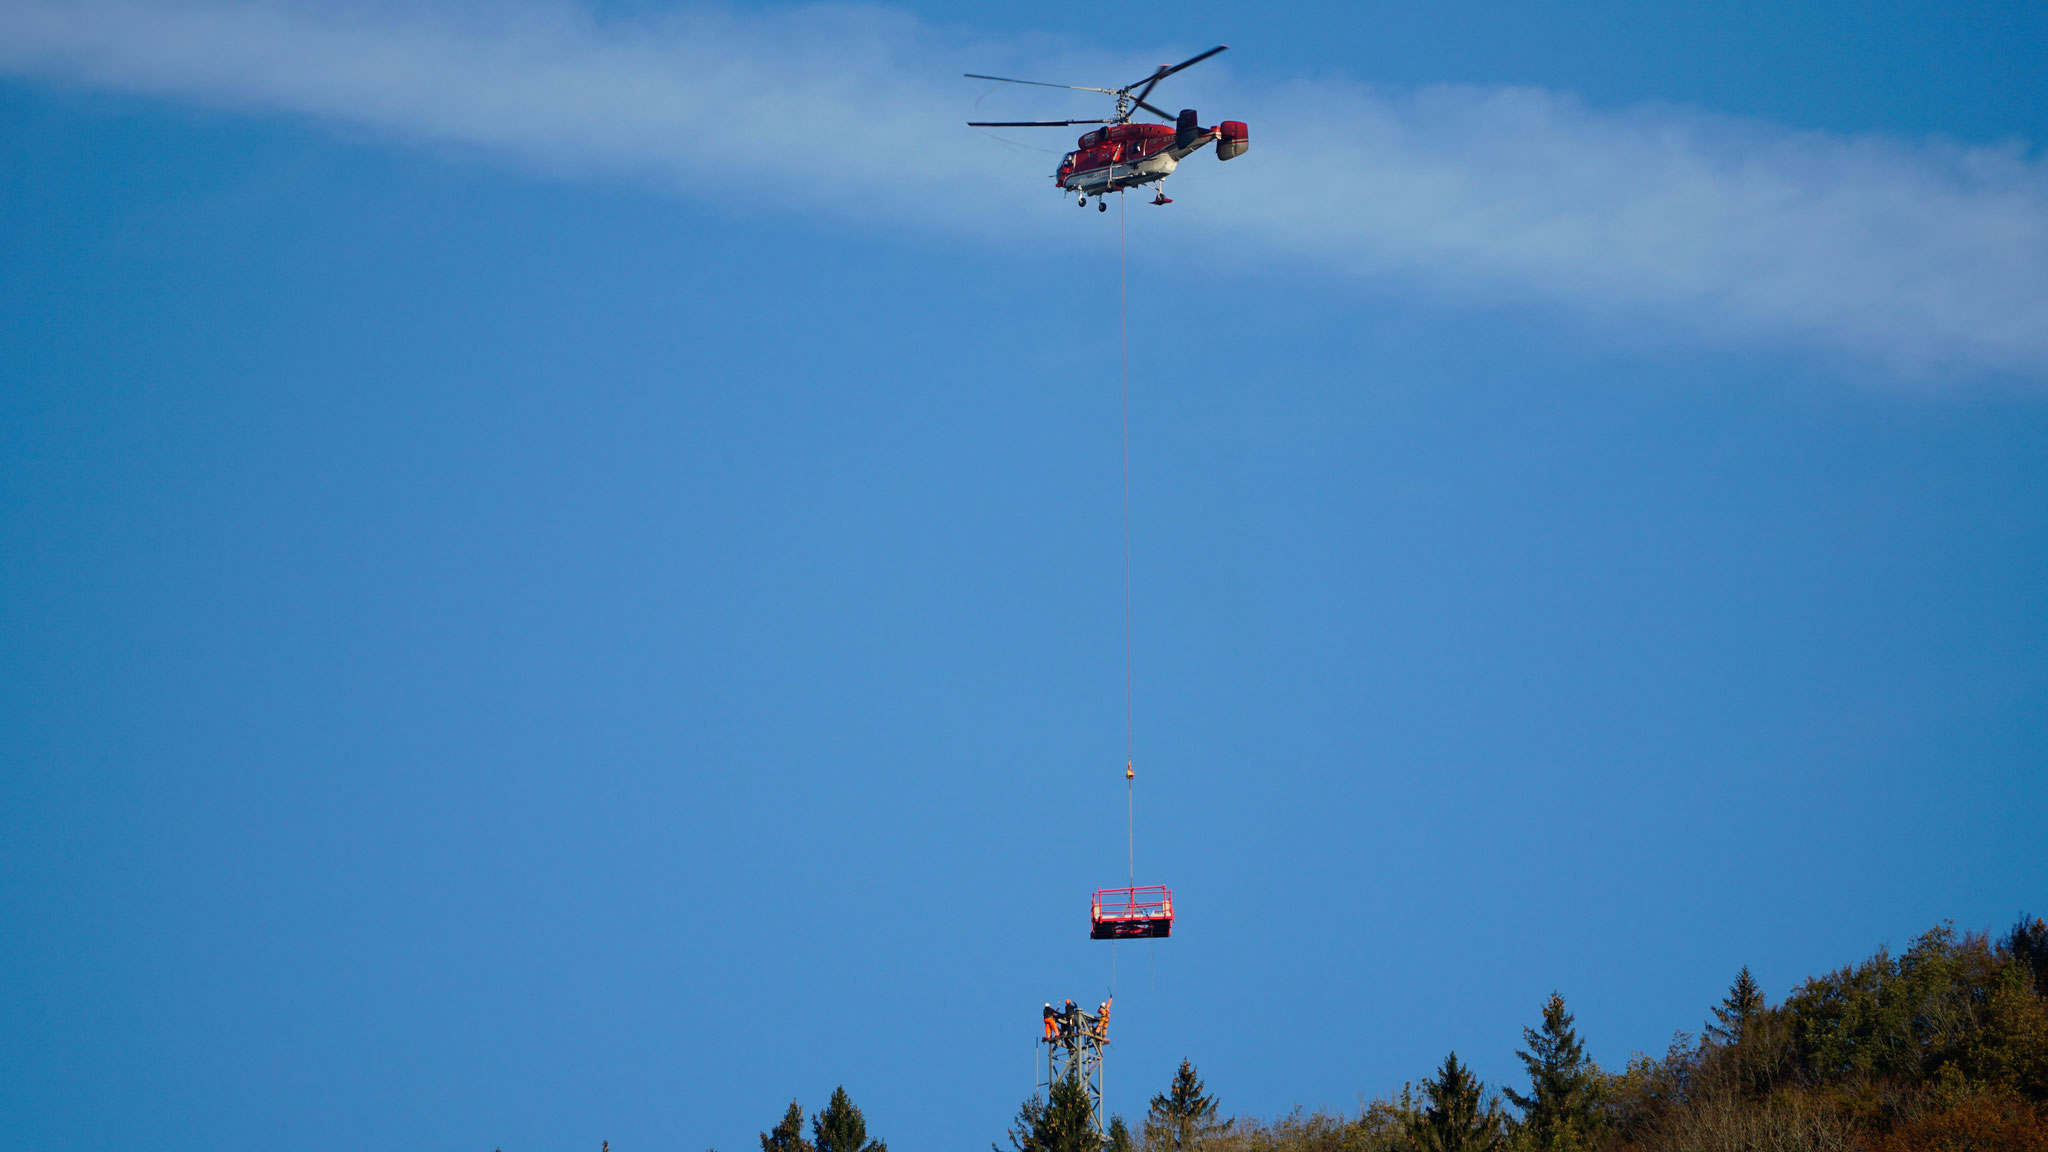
1051, 1023
1102, 1020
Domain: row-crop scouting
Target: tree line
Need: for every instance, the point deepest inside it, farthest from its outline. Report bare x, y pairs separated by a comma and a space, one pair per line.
1943, 1048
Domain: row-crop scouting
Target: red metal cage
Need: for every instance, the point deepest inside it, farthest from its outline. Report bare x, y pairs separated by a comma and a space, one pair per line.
1130, 913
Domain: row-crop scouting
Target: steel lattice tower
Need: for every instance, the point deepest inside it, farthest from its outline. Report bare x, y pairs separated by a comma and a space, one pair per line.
1077, 1051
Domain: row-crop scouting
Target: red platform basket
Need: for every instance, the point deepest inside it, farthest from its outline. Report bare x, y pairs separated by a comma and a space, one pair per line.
1130, 913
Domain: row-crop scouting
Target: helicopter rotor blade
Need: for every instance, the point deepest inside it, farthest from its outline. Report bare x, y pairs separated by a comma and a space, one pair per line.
1169, 117
1030, 123
1165, 71
1147, 89
1040, 83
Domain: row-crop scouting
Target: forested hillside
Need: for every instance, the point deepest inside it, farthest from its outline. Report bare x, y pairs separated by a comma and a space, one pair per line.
1943, 1048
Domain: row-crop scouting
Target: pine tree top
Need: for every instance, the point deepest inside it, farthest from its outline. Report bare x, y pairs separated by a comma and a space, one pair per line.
1736, 1011
840, 1127
788, 1136
1186, 1097
1456, 1118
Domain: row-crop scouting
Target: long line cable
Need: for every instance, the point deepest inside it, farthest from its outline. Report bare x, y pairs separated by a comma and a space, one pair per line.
1123, 299
1124, 370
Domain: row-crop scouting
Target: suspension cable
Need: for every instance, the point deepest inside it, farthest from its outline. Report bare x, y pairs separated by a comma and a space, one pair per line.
1124, 331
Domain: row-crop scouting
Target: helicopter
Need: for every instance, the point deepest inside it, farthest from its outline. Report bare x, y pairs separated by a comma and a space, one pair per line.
1125, 154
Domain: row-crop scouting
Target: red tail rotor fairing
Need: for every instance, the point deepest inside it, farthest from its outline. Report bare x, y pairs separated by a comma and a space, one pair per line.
1232, 139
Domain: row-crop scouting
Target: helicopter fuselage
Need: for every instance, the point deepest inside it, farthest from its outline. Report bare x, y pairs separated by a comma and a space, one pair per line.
1124, 154
1130, 155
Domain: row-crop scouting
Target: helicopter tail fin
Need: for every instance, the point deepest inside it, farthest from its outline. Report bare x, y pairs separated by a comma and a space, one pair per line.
1232, 139
1188, 132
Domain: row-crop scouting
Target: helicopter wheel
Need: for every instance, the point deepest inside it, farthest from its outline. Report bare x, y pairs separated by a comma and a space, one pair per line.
1101, 205
1082, 203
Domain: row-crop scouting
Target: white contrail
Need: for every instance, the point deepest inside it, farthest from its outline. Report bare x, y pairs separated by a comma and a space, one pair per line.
1928, 255
819, 98
1931, 256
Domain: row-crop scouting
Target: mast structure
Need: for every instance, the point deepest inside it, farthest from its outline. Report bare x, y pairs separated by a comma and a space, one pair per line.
1076, 1050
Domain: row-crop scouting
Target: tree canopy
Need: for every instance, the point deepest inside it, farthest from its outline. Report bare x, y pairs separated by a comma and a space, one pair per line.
1940, 1048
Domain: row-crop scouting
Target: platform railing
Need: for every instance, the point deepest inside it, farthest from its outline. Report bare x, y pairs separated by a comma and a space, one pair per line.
1154, 902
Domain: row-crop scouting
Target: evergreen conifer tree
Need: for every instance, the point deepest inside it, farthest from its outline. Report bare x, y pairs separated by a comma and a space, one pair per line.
1561, 1111
1060, 1124
1181, 1117
1737, 1011
2028, 943
840, 1127
1119, 1136
1456, 1120
1068, 1117
788, 1136
1025, 1129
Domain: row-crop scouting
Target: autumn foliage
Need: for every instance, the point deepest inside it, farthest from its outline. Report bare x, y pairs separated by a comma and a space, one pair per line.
1942, 1048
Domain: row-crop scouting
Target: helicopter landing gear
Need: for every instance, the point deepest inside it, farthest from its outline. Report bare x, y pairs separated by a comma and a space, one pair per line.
1082, 203
1162, 198
1101, 205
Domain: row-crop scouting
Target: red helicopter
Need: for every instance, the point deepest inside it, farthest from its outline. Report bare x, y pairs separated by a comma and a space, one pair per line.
1126, 155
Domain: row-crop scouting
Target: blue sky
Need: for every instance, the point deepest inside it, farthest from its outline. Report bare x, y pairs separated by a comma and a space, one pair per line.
547, 598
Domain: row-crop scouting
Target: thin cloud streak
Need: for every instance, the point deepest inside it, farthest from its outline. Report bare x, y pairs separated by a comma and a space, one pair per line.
1930, 256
